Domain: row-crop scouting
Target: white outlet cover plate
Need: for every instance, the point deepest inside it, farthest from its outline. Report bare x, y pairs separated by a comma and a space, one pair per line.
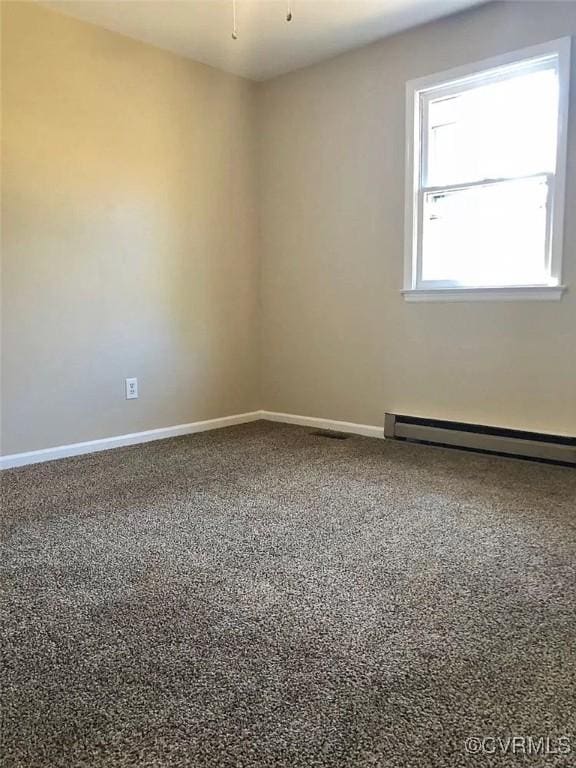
131, 389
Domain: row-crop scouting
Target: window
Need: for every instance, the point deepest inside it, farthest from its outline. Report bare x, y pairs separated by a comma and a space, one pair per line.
485, 178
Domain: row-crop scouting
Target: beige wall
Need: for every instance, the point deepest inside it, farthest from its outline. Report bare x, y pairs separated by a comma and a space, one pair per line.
130, 241
338, 339
128, 235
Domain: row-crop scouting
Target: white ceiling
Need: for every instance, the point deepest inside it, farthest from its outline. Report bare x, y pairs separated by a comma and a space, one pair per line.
267, 45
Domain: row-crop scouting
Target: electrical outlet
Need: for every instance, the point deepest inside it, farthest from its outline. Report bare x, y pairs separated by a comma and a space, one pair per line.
131, 389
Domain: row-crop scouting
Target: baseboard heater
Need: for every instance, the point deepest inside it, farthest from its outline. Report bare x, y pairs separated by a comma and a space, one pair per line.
475, 437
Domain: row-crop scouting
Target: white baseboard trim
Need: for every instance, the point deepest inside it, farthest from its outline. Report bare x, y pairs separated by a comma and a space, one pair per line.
119, 441
104, 444
367, 430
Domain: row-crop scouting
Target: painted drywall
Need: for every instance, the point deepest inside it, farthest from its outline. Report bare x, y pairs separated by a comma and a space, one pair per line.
338, 340
130, 243
129, 235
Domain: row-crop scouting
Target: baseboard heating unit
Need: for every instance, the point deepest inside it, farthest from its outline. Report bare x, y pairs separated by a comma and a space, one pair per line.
475, 437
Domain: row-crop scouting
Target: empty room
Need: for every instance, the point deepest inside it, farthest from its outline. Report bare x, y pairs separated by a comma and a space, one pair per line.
288, 384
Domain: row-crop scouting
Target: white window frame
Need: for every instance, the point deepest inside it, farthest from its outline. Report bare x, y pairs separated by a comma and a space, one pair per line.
418, 94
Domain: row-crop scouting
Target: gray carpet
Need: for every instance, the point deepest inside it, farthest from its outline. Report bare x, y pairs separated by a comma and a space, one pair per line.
258, 596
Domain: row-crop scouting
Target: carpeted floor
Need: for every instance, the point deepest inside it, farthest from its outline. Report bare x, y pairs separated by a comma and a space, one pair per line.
259, 596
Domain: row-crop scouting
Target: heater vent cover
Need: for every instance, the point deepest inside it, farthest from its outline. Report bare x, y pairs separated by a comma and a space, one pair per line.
329, 434
477, 437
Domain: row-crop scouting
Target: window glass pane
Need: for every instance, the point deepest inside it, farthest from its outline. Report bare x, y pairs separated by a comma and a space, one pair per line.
487, 235
506, 128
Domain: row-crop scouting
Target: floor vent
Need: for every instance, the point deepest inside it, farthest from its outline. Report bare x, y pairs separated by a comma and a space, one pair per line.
330, 435
475, 437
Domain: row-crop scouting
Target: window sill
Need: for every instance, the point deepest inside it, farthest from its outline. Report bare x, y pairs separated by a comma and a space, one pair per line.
511, 293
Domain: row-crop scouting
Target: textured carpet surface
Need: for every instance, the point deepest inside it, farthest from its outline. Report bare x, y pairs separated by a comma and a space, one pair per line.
259, 596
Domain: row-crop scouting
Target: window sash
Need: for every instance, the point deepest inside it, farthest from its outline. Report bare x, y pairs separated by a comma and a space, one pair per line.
419, 282
455, 88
